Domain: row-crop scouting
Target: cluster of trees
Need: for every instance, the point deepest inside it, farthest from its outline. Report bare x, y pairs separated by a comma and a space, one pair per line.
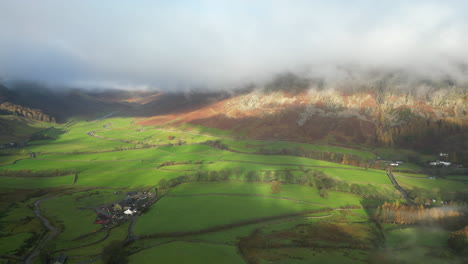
216, 144
417, 131
275, 186
33, 174
450, 215
178, 142
347, 159
458, 241
199, 176
424, 196
167, 163
420, 128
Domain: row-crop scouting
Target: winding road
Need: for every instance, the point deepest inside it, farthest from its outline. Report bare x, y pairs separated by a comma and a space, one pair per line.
401, 190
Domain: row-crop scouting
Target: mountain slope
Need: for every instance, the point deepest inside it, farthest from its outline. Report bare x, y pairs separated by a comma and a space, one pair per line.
363, 117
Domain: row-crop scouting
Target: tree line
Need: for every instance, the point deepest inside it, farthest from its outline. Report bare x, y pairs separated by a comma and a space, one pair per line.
451, 215
458, 241
310, 178
216, 144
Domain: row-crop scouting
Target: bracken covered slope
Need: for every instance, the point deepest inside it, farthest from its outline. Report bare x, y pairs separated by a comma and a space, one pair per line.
361, 117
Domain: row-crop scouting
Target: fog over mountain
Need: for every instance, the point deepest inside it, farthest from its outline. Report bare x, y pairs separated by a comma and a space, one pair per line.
177, 45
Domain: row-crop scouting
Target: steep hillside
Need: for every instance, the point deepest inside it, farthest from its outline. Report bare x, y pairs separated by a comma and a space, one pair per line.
386, 117
62, 104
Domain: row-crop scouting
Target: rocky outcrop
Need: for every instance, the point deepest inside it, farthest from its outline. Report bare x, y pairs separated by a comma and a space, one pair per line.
28, 113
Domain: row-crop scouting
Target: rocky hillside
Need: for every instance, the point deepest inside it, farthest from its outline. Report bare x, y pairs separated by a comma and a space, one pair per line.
392, 109
434, 116
28, 113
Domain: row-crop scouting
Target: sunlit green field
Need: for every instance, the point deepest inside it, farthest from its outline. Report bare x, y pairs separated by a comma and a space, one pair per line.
168, 216
296, 192
432, 184
200, 187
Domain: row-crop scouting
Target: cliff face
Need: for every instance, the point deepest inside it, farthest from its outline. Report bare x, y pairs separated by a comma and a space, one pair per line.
28, 113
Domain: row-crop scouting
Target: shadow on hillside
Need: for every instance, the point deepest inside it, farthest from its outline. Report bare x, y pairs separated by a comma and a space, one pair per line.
46, 136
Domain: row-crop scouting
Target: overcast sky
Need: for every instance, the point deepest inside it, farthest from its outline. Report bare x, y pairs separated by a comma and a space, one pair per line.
179, 44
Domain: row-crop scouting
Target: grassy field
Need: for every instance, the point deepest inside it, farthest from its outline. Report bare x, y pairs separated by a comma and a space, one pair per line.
116, 234
169, 215
64, 213
18, 128
138, 154
186, 252
243, 166
416, 237
279, 159
75, 142
431, 184
18, 226
362, 176
419, 245
457, 177
136, 178
123, 156
11, 244
45, 182
183, 167
297, 192
414, 175
255, 146
79, 166
305, 255
8, 158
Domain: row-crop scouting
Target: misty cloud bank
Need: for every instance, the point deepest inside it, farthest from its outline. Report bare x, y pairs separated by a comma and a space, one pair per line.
219, 44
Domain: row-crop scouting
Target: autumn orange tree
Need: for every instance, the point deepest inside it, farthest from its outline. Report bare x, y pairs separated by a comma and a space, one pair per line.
275, 186
397, 213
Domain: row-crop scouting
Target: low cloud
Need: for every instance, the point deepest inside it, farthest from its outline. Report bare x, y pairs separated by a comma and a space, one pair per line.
220, 44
